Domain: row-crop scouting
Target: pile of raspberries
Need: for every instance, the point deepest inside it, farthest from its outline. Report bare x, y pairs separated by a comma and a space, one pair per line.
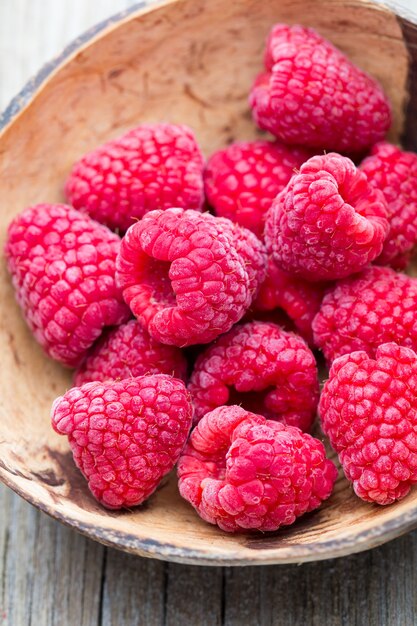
189, 297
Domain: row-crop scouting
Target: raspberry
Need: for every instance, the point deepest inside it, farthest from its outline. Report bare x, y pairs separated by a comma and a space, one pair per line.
62, 265
328, 222
241, 471
312, 95
126, 352
153, 166
298, 298
250, 248
186, 276
125, 436
360, 313
394, 172
368, 410
242, 180
262, 367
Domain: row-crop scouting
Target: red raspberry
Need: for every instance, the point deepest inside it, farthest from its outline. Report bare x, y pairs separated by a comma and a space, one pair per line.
125, 436
128, 351
153, 166
63, 265
328, 222
183, 276
312, 95
298, 298
242, 180
368, 410
360, 313
262, 367
241, 471
394, 172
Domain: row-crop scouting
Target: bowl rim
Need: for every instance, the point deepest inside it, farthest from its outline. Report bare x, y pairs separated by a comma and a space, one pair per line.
147, 547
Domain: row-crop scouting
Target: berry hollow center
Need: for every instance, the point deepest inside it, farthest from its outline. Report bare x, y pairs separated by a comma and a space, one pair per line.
156, 275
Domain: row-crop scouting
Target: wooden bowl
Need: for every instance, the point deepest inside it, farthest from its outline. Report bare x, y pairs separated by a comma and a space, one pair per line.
186, 61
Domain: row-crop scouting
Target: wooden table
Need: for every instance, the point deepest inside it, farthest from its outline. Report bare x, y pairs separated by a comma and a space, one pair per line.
51, 576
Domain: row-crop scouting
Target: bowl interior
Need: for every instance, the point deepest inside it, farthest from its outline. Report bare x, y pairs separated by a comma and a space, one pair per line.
189, 61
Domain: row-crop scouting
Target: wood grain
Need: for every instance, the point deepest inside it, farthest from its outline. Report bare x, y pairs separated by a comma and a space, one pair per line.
156, 64
50, 575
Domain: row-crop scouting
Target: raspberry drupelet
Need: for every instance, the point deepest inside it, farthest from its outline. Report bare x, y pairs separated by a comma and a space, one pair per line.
153, 166
128, 351
368, 409
62, 265
242, 180
243, 472
262, 367
298, 298
362, 312
328, 223
312, 95
394, 172
189, 277
125, 436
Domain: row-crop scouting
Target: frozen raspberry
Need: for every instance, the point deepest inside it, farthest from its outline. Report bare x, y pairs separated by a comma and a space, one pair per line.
242, 180
241, 471
128, 351
153, 166
361, 312
368, 409
394, 172
183, 276
262, 367
312, 95
125, 436
328, 222
62, 265
298, 298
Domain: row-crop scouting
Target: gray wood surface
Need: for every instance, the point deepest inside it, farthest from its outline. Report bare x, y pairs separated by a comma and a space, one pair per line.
51, 576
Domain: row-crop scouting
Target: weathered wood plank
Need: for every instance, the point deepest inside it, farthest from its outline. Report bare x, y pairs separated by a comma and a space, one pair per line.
194, 595
377, 588
49, 574
133, 591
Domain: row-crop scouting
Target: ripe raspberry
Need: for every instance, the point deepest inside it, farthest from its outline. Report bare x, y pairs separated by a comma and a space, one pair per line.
262, 367
241, 471
250, 248
126, 352
394, 172
153, 166
242, 180
298, 298
312, 95
328, 222
183, 276
125, 436
368, 410
62, 265
361, 312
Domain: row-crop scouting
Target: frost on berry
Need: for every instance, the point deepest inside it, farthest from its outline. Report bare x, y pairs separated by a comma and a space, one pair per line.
125, 436
243, 472
189, 277
312, 95
261, 367
368, 409
328, 223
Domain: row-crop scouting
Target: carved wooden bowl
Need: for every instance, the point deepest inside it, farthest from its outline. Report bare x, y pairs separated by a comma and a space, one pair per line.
186, 61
